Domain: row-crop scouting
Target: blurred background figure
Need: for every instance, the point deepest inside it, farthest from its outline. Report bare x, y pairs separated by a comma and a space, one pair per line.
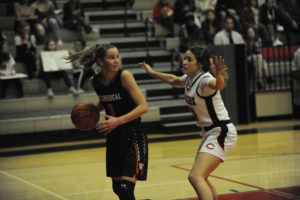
292, 28
25, 44
189, 34
231, 8
202, 8
7, 68
255, 59
250, 18
49, 75
24, 11
80, 72
163, 15
210, 26
73, 18
228, 35
47, 21
181, 8
274, 19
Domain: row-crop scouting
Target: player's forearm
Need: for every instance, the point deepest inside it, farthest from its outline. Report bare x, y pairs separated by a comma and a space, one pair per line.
220, 82
164, 77
134, 114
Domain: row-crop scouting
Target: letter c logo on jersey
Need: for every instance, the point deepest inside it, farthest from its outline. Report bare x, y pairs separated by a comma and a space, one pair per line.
210, 146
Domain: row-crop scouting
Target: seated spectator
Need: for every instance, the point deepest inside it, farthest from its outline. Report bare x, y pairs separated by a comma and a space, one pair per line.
202, 8
181, 8
250, 18
25, 43
163, 15
296, 61
255, 58
292, 28
231, 8
74, 18
210, 26
7, 68
189, 33
3, 37
273, 18
48, 76
25, 12
228, 35
47, 21
80, 72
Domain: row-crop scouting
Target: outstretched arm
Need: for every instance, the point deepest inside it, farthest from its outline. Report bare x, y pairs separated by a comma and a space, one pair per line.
217, 69
164, 77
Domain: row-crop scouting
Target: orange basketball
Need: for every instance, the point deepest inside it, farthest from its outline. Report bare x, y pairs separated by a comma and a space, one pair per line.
85, 116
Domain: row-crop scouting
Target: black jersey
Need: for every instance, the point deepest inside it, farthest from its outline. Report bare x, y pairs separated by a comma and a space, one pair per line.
127, 145
114, 98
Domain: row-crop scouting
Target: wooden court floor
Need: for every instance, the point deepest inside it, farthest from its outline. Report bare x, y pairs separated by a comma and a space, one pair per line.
266, 159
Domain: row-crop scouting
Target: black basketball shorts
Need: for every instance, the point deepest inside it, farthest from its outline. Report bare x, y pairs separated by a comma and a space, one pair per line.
127, 152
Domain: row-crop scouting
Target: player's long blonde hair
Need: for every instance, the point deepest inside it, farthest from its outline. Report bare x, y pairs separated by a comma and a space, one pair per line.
89, 57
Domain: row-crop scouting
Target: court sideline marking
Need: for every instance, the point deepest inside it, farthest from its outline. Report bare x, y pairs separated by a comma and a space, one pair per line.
32, 185
279, 193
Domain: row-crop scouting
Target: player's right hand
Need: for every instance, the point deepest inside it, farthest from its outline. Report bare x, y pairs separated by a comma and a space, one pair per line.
147, 67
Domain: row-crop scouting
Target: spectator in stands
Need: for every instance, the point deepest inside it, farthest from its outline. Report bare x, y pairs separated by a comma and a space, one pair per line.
48, 76
74, 18
189, 34
273, 18
231, 8
80, 72
255, 59
250, 18
181, 8
3, 37
296, 61
228, 35
7, 68
202, 8
163, 15
210, 26
25, 43
25, 12
47, 20
292, 29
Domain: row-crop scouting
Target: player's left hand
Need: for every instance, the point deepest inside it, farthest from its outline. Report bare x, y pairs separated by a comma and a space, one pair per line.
105, 127
218, 66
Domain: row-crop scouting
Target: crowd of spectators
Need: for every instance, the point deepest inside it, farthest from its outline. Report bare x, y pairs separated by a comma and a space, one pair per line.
256, 24
39, 22
275, 23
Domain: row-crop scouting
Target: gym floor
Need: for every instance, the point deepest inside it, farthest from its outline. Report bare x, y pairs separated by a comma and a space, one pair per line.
263, 165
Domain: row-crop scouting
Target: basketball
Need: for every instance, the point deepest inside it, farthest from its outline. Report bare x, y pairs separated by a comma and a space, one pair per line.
85, 116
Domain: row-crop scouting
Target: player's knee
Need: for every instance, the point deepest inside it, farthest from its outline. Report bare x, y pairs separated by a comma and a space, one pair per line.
124, 189
194, 179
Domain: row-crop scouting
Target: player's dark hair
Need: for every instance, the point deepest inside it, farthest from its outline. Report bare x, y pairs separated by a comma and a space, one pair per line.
89, 56
203, 55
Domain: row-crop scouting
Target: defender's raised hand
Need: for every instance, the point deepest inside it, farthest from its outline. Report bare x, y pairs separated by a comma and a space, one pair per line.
218, 67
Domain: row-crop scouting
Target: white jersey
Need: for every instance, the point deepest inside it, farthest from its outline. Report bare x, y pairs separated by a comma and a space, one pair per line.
207, 108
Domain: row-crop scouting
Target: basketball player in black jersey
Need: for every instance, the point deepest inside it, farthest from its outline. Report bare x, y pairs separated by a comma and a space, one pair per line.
123, 102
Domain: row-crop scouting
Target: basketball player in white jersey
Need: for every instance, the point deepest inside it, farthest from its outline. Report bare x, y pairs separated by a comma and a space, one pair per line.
203, 80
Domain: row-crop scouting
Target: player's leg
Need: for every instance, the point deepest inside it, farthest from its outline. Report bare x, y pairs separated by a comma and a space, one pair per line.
123, 186
213, 190
204, 164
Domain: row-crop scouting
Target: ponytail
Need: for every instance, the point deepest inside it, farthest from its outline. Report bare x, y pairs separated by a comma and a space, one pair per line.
89, 57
